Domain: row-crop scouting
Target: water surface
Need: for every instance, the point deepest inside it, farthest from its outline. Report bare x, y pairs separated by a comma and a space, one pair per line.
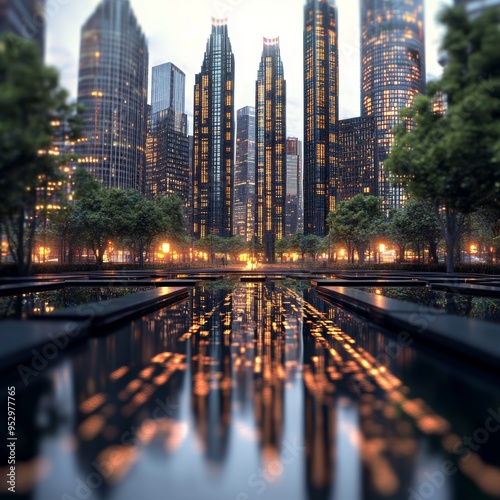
255, 391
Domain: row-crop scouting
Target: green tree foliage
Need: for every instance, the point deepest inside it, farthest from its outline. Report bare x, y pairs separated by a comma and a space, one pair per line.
212, 244
485, 229
235, 246
93, 221
173, 220
282, 246
414, 225
313, 245
355, 223
298, 243
31, 100
101, 215
452, 159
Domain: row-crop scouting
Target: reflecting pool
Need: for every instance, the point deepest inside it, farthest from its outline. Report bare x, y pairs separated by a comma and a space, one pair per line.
251, 391
28, 304
457, 303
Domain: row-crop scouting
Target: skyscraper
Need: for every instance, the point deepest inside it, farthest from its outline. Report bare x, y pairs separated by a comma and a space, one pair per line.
168, 89
270, 105
294, 222
213, 133
321, 84
392, 72
25, 18
244, 174
358, 158
112, 87
167, 164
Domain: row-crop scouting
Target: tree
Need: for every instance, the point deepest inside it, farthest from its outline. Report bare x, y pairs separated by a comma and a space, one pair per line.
485, 226
144, 222
173, 219
212, 244
425, 226
356, 222
299, 244
400, 230
31, 100
235, 246
93, 221
451, 159
313, 245
414, 225
281, 247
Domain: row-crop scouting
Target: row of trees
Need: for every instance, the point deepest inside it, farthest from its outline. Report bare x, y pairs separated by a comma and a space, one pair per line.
125, 216
359, 226
451, 158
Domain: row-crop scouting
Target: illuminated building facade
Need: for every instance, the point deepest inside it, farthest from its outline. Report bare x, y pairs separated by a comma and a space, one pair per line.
270, 126
167, 165
321, 90
477, 7
113, 88
294, 212
24, 18
213, 137
244, 175
358, 158
392, 73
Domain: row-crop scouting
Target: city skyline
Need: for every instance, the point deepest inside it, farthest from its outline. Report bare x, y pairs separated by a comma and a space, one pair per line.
183, 43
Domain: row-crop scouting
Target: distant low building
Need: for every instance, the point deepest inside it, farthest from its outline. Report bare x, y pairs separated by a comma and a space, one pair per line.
477, 7
358, 169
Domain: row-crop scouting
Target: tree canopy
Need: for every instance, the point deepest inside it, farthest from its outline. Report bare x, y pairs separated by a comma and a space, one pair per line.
31, 104
356, 222
452, 158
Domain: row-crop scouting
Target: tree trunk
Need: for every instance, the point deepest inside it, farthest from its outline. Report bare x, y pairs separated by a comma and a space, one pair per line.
433, 256
141, 255
451, 232
361, 251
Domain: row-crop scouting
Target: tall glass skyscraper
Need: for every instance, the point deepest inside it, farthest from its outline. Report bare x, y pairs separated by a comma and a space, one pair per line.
321, 90
270, 105
244, 174
24, 18
113, 88
392, 72
213, 131
168, 88
167, 155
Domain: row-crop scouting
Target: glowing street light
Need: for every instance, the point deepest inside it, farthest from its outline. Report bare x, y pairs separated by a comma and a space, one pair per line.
381, 249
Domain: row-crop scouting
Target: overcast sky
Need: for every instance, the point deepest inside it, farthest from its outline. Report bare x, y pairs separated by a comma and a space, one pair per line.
177, 31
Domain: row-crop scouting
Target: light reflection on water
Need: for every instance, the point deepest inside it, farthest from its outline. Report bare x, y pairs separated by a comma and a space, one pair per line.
254, 391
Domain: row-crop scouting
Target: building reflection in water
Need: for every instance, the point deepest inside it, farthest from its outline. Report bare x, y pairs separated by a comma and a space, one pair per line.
269, 372
211, 384
232, 379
